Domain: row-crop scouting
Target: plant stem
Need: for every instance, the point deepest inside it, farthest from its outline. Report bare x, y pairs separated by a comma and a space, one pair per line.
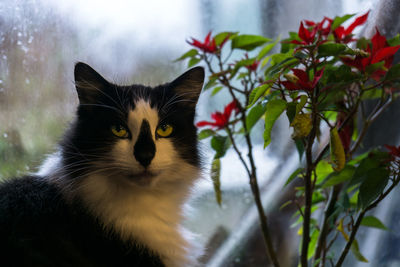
256, 193
251, 171
308, 189
371, 118
359, 220
238, 151
325, 226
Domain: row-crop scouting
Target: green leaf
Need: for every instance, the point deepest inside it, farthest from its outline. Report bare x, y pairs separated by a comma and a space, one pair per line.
393, 73
248, 42
354, 198
394, 41
220, 144
330, 49
313, 243
205, 134
190, 53
242, 63
301, 104
372, 221
356, 251
293, 176
287, 203
266, 49
374, 67
280, 62
317, 197
193, 61
265, 61
374, 184
362, 43
337, 21
291, 111
300, 55
300, 147
212, 81
220, 37
322, 170
275, 107
372, 94
258, 92
254, 115
339, 177
215, 177
374, 160
216, 90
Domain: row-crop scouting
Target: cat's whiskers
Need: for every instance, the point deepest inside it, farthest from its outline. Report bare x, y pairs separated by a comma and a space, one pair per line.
106, 106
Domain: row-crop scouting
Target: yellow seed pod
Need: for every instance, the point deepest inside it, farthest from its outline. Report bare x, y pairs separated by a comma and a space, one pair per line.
291, 77
302, 125
338, 157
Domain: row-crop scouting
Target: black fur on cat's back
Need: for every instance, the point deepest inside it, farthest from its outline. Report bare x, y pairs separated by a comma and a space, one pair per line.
38, 228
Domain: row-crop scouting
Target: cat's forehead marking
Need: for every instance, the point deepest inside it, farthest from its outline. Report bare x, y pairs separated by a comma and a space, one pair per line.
142, 111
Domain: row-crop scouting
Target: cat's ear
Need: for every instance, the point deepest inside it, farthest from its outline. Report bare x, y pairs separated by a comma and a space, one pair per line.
188, 86
89, 84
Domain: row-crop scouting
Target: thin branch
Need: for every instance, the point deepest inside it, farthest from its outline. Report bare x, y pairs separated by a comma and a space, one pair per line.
359, 220
237, 151
252, 170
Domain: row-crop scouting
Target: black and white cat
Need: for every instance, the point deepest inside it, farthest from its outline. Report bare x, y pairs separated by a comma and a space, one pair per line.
113, 193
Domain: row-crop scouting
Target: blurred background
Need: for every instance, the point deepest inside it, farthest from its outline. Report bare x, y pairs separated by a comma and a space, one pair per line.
137, 42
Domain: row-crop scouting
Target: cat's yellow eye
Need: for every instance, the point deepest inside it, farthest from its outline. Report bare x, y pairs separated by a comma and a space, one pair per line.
164, 130
119, 131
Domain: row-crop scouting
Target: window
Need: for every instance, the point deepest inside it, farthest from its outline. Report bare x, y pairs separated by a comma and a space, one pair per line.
137, 41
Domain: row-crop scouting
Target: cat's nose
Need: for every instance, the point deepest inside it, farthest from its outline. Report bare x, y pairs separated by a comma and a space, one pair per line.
144, 157
145, 148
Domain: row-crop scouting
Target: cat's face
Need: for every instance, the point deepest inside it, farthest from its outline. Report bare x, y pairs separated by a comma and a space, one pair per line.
134, 134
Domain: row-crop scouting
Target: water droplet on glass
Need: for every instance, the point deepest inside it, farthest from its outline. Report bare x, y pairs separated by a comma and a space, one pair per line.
24, 48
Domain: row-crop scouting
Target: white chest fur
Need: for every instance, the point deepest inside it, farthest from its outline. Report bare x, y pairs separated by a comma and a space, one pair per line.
149, 215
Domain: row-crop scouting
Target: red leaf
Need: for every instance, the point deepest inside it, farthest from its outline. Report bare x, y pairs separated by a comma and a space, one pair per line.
339, 33
230, 107
317, 76
290, 86
384, 53
359, 21
301, 74
394, 151
208, 46
207, 40
304, 34
309, 23
204, 123
298, 42
378, 41
353, 62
